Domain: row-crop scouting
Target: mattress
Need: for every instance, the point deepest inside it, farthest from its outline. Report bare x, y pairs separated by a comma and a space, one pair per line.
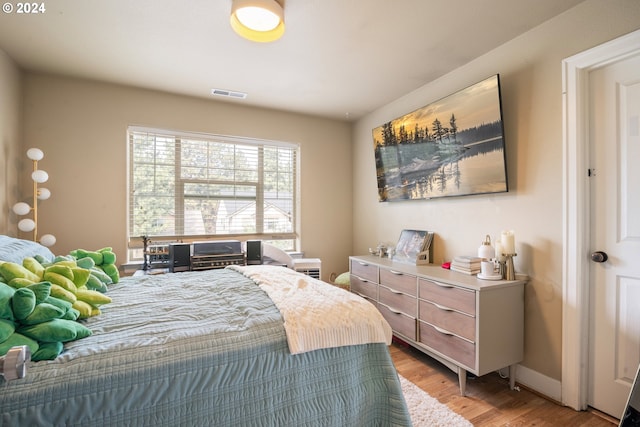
202, 349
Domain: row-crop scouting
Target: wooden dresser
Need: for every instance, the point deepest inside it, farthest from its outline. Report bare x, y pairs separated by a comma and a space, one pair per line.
470, 325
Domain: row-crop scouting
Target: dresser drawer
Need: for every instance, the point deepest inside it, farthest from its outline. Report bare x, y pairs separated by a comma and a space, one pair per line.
364, 270
456, 348
364, 287
405, 283
453, 321
399, 322
397, 300
448, 296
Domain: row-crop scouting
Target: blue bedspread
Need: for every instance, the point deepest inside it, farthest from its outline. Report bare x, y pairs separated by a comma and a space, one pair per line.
201, 349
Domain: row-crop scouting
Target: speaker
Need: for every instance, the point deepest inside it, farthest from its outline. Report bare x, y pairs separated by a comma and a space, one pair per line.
254, 252
179, 257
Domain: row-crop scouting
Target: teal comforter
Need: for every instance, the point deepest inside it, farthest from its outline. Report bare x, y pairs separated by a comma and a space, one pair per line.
201, 349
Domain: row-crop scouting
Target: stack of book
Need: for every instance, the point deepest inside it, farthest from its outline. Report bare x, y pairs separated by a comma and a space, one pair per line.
466, 264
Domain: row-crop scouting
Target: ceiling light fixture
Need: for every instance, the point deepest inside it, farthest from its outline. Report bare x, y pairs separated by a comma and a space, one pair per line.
258, 20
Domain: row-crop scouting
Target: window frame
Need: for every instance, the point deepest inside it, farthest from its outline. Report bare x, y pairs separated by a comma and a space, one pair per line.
135, 243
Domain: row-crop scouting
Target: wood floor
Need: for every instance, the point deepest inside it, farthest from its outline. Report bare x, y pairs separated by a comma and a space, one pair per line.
489, 401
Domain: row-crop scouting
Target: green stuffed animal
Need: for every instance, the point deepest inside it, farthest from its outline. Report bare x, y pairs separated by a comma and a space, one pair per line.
32, 317
41, 300
103, 260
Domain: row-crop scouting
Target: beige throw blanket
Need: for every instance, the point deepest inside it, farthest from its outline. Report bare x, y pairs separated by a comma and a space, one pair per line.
316, 314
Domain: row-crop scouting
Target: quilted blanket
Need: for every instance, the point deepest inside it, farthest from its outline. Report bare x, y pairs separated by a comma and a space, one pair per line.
201, 349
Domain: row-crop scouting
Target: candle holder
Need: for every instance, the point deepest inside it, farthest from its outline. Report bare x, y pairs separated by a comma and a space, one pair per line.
509, 269
501, 267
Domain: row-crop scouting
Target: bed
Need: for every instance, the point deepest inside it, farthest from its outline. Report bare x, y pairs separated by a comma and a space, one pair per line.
213, 348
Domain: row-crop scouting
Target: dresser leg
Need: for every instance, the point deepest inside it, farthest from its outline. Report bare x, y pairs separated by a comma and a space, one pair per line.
512, 376
462, 380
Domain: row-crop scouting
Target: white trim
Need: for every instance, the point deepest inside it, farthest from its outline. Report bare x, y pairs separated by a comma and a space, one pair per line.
575, 216
538, 382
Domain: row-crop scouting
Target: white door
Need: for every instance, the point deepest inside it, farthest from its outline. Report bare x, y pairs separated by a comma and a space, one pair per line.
614, 340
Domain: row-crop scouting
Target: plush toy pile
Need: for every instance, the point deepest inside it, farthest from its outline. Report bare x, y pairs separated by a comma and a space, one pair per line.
41, 301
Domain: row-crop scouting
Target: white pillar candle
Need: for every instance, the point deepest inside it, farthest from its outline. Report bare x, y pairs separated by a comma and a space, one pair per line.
508, 242
499, 251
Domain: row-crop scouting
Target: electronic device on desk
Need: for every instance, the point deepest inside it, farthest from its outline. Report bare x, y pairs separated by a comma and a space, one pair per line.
254, 252
216, 254
157, 256
179, 257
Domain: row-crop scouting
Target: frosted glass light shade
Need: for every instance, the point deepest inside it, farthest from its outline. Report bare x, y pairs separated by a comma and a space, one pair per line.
21, 208
48, 240
35, 154
39, 176
257, 20
26, 225
43, 193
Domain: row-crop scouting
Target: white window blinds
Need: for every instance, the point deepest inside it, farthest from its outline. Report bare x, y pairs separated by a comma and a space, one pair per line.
201, 186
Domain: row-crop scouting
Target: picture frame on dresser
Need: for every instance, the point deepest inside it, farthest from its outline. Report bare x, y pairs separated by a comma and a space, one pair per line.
413, 246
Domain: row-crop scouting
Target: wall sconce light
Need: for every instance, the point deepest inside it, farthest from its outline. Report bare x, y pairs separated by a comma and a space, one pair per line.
258, 20
21, 208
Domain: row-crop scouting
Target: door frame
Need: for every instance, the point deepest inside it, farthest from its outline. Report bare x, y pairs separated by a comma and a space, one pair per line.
575, 211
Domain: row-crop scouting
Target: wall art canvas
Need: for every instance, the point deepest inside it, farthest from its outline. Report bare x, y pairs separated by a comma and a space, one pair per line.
451, 147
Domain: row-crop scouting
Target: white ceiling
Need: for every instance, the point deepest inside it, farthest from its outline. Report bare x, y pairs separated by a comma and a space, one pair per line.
337, 58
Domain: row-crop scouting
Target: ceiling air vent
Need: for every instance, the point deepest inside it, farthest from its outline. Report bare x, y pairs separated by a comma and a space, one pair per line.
228, 93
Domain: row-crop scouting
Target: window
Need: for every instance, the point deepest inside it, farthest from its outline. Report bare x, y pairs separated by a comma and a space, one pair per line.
185, 187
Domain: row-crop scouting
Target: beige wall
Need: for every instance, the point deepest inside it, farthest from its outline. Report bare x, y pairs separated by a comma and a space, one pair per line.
81, 126
11, 160
530, 71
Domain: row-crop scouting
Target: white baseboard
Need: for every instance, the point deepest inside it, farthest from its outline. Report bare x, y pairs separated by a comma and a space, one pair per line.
539, 383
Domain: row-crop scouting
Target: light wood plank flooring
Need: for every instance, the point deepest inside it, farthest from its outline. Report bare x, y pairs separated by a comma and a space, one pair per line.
489, 401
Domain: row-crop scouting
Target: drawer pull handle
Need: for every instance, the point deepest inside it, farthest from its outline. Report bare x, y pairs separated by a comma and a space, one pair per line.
443, 285
397, 273
442, 331
393, 291
364, 264
442, 307
393, 310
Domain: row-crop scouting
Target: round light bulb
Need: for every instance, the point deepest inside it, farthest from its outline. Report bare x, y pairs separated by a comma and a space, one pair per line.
35, 154
48, 240
21, 208
26, 225
43, 193
39, 176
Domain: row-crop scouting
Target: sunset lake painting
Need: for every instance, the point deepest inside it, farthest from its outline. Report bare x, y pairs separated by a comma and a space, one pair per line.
451, 147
